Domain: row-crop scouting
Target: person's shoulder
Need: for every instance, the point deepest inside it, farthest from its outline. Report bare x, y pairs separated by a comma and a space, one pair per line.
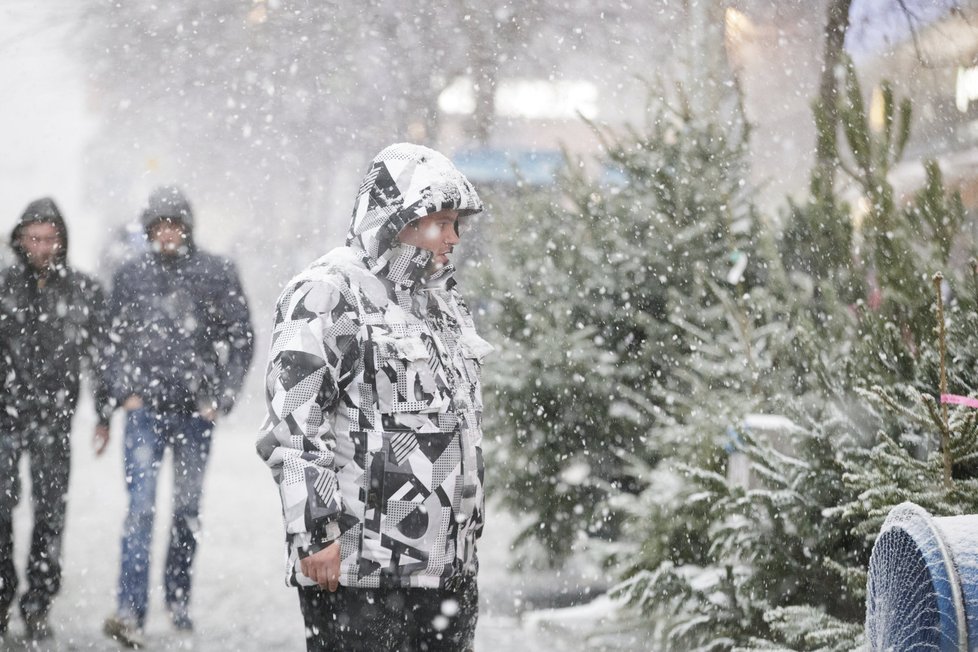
128, 274
11, 272
330, 279
338, 267
330, 273
10, 278
212, 262
207, 269
81, 280
135, 265
16, 275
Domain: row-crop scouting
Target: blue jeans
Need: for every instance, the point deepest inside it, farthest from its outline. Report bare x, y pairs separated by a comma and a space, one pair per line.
148, 434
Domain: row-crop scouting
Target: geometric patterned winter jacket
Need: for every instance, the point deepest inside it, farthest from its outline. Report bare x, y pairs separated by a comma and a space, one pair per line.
373, 431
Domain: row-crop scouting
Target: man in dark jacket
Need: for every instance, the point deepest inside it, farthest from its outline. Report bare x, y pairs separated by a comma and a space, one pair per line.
184, 343
374, 426
52, 317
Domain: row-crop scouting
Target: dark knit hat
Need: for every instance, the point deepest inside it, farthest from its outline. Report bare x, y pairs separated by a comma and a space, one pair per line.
167, 203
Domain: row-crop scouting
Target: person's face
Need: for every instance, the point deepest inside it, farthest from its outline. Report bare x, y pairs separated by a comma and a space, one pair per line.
436, 233
41, 243
168, 236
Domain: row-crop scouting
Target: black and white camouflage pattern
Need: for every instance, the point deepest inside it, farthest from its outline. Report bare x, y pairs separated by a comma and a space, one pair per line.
373, 430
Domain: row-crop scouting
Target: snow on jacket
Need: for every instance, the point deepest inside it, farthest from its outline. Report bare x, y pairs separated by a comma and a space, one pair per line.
374, 431
47, 330
182, 329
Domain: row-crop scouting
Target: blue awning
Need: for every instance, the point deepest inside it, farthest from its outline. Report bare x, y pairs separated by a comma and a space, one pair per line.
508, 167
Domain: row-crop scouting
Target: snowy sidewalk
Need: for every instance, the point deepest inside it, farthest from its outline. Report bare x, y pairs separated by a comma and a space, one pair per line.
240, 601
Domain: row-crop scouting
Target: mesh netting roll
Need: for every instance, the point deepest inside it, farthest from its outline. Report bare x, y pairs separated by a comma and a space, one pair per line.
923, 582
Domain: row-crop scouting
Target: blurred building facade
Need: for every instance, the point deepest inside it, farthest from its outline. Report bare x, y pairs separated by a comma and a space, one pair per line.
936, 66
772, 50
268, 116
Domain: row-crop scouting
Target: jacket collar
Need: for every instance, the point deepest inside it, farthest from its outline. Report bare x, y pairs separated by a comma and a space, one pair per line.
405, 267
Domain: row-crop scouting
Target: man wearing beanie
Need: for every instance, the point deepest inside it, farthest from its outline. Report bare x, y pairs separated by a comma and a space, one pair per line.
374, 426
52, 317
183, 346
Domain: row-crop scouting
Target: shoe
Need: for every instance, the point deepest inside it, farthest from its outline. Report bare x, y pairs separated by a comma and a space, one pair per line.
124, 630
36, 626
38, 630
180, 616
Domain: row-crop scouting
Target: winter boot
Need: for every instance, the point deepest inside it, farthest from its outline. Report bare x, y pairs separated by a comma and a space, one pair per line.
36, 624
180, 616
38, 630
124, 630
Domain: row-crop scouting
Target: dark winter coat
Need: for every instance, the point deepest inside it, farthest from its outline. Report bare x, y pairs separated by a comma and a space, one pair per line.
374, 427
183, 331
47, 332
181, 322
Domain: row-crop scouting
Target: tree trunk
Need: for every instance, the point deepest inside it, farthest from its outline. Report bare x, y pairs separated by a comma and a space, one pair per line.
826, 105
709, 74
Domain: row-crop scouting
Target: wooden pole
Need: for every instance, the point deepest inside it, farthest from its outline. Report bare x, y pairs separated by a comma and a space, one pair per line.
942, 338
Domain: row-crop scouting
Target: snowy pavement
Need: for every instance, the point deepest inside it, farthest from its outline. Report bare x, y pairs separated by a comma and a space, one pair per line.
240, 601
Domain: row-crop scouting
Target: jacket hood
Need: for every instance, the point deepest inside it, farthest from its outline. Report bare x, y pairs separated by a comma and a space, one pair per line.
41, 210
405, 183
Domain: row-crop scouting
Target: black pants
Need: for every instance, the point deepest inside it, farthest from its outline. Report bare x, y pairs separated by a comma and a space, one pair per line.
47, 445
391, 620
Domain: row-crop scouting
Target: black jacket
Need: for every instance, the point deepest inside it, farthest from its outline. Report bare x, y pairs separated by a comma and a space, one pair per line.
47, 331
182, 329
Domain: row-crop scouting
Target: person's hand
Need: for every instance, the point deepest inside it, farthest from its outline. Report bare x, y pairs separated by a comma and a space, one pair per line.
134, 402
323, 567
101, 439
207, 412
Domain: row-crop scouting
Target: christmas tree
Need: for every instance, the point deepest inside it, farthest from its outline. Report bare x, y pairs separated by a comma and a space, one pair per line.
783, 556
601, 291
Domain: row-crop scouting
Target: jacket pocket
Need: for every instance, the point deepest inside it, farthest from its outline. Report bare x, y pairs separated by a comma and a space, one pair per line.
474, 350
413, 494
407, 377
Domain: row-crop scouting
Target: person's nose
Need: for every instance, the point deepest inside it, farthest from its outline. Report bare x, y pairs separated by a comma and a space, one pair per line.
452, 237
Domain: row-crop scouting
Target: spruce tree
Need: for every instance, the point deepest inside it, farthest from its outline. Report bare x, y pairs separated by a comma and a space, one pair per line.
781, 562
601, 291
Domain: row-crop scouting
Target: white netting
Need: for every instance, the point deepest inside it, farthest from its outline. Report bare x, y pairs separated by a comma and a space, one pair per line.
913, 598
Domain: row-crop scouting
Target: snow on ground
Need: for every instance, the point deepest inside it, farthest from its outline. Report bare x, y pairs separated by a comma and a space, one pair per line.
240, 601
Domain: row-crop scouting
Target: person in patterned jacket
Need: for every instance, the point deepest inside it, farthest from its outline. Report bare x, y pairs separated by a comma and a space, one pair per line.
373, 431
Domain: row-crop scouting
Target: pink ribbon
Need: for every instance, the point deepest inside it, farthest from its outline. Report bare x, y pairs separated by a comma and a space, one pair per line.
960, 400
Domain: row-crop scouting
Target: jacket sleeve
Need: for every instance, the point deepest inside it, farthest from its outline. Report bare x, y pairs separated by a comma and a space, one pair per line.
315, 342
6, 362
117, 372
98, 352
234, 333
